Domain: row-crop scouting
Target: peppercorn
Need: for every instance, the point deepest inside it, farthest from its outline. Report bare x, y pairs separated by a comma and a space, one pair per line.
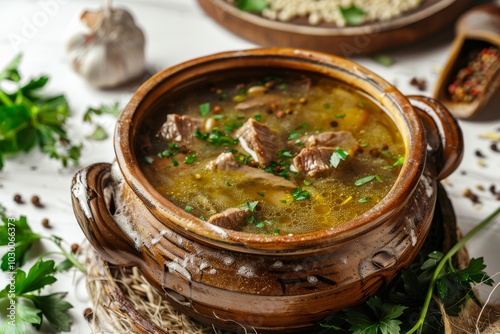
18, 199
88, 314
35, 200
216, 110
303, 100
273, 106
74, 248
46, 223
494, 147
375, 152
334, 124
385, 147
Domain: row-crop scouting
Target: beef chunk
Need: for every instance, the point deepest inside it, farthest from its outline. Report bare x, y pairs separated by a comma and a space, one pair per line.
313, 160
232, 218
333, 139
259, 141
227, 162
179, 129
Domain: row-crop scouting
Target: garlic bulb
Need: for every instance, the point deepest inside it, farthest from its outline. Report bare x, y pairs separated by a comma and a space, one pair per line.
112, 52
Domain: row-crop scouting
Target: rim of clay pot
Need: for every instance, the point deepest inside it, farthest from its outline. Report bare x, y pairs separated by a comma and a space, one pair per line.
351, 73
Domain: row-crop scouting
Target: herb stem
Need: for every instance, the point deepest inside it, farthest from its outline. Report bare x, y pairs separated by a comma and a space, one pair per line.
5, 99
67, 254
419, 325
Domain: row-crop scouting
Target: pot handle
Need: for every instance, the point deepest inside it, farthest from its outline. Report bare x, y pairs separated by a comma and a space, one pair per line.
443, 135
91, 205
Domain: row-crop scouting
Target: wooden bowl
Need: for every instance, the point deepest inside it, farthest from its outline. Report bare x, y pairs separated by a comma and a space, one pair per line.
430, 17
476, 29
281, 283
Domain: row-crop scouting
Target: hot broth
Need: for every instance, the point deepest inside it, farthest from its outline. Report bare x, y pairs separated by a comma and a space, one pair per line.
287, 153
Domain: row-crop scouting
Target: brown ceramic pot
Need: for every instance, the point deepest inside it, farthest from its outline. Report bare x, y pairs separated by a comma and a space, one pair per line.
278, 283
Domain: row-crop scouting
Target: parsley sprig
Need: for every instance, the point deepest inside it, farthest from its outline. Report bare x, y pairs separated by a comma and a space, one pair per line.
29, 118
420, 289
24, 289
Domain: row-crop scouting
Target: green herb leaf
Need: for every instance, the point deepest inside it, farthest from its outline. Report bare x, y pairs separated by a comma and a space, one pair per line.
339, 115
250, 206
103, 109
368, 179
204, 109
55, 309
19, 230
29, 118
285, 154
188, 208
384, 60
10, 72
256, 6
365, 200
149, 159
352, 15
300, 195
98, 134
190, 159
337, 156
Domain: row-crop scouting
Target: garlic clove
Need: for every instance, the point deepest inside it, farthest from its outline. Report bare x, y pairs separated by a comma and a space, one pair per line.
112, 53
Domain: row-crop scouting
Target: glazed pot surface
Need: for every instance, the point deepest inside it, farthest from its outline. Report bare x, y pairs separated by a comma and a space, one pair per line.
271, 283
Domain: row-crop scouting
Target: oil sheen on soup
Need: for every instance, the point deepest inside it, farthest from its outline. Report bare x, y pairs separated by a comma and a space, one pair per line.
286, 153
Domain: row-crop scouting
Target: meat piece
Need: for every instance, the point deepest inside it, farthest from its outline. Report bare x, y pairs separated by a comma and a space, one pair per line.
258, 101
333, 139
259, 141
227, 162
313, 160
179, 129
232, 219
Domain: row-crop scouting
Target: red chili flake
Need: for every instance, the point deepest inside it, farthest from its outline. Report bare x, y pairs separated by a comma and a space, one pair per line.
281, 114
216, 109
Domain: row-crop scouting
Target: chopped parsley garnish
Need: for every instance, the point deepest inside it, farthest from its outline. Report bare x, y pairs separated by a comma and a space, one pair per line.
294, 135
299, 143
190, 159
257, 117
353, 16
188, 208
368, 179
283, 86
361, 104
229, 184
337, 156
216, 137
398, 162
219, 116
149, 159
204, 109
261, 194
326, 105
300, 195
174, 162
339, 115
365, 200
285, 154
307, 183
283, 201
302, 126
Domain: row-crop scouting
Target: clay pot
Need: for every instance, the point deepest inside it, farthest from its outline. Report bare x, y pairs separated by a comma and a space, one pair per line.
277, 283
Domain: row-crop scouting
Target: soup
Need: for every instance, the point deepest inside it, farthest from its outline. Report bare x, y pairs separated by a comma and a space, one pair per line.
286, 153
